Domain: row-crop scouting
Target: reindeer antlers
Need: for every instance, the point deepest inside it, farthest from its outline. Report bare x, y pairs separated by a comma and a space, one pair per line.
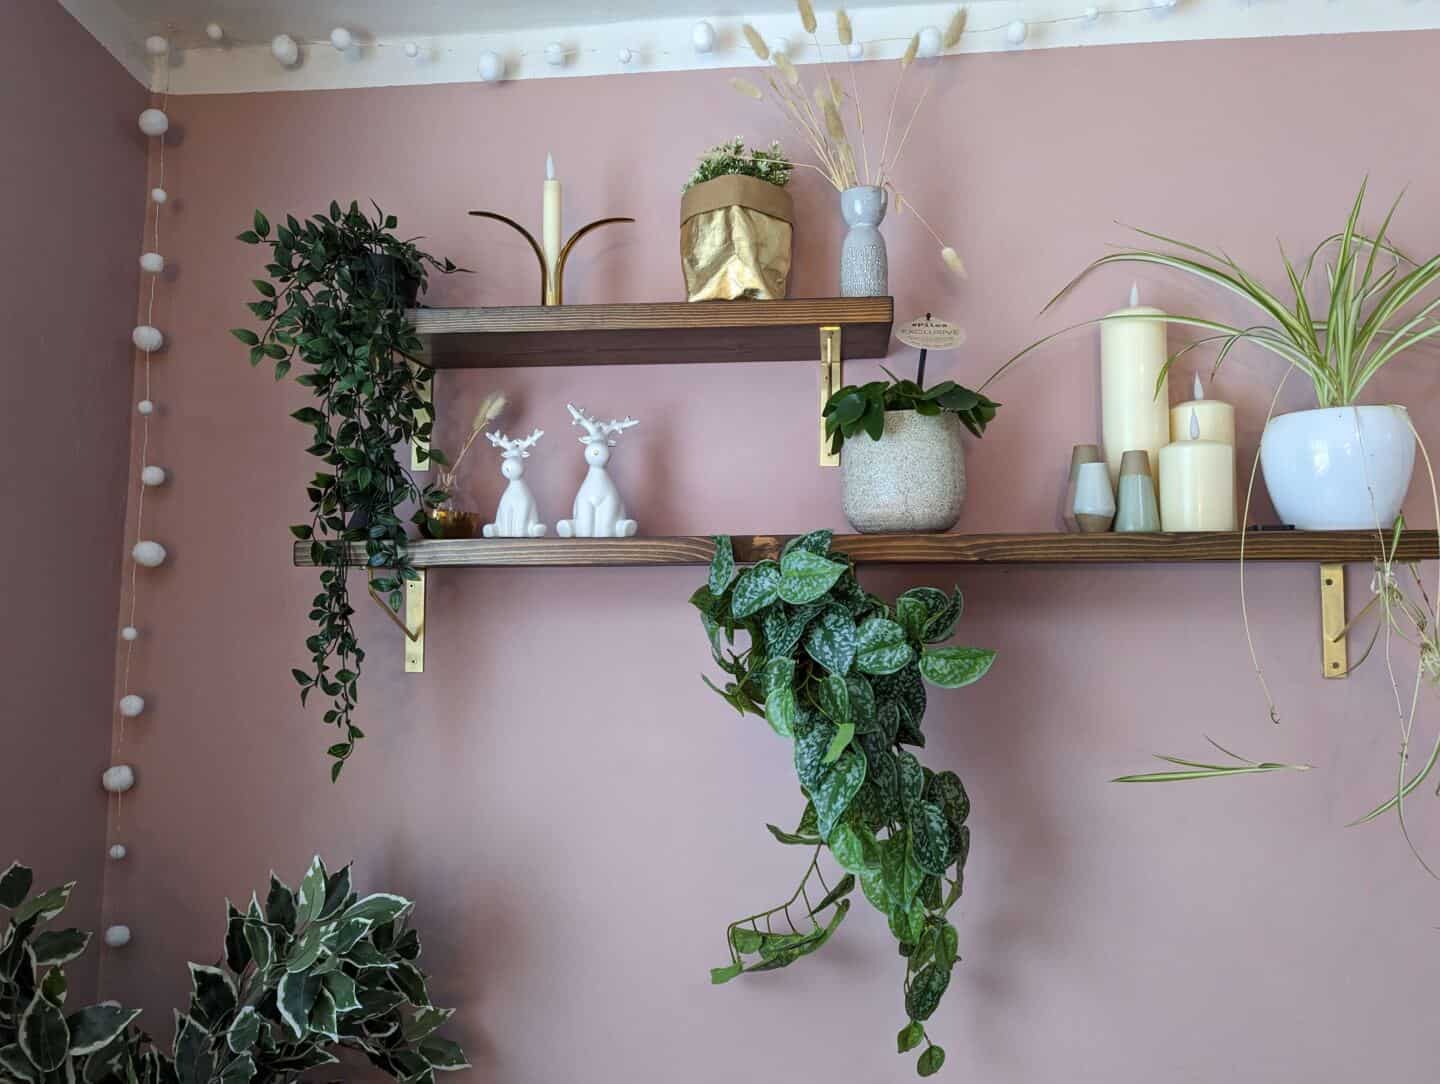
515, 448
596, 431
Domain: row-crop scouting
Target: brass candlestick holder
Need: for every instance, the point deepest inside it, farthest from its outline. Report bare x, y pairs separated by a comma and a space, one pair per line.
551, 286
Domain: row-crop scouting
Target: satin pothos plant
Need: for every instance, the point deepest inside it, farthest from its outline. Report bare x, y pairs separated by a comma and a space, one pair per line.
840, 675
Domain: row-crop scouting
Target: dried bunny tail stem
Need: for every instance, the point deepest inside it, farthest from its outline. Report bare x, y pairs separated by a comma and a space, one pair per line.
908, 56
807, 15
954, 28
843, 30
836, 128
905, 136
747, 88
757, 43
787, 69
491, 407
948, 254
905, 62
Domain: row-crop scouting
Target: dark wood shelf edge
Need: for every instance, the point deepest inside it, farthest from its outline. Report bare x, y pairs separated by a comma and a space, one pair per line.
1006, 549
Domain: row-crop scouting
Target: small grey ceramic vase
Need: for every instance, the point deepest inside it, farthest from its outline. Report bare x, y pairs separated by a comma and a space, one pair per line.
864, 268
1136, 508
911, 479
1079, 456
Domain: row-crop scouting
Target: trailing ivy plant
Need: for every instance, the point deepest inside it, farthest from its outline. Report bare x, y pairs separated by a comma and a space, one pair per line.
336, 298
840, 674
311, 971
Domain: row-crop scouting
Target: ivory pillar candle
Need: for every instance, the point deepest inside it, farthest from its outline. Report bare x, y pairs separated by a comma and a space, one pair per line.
1132, 356
550, 224
1197, 483
1217, 419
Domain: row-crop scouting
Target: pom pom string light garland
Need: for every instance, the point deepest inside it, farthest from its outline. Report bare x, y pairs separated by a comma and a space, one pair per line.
490, 66
147, 338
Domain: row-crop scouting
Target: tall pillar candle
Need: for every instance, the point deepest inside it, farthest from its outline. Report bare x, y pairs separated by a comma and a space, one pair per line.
1197, 483
550, 229
1132, 356
1217, 419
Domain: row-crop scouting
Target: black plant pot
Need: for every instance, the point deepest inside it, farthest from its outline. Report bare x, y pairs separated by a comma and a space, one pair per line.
389, 274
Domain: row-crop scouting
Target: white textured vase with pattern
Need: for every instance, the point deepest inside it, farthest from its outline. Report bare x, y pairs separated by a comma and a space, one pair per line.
911, 479
864, 267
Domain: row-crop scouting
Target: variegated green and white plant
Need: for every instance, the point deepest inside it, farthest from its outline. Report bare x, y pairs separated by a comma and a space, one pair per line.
840, 674
39, 1041
311, 971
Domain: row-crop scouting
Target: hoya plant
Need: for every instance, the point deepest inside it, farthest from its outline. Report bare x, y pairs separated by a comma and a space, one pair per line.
336, 296
840, 675
39, 1040
313, 970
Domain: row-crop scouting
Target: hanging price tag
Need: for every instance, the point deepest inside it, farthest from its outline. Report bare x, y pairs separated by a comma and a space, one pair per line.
927, 333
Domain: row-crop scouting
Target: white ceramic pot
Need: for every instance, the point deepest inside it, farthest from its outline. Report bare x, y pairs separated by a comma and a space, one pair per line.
1339, 468
911, 479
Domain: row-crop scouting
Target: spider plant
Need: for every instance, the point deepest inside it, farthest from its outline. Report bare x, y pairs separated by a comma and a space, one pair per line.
1380, 303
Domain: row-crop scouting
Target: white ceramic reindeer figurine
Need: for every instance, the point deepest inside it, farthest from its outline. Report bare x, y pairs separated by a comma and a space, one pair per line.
516, 517
598, 511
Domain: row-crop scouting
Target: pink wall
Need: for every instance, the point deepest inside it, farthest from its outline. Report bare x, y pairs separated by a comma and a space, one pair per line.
578, 817
71, 194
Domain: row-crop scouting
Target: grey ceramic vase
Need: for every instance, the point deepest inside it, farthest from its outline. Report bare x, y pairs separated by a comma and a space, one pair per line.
864, 268
911, 479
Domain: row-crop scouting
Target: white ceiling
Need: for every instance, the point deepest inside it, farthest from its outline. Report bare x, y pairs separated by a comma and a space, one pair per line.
260, 20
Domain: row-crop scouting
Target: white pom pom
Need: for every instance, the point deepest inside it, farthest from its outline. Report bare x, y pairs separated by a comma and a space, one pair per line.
158, 195
153, 476
781, 46
118, 779
490, 66
157, 45
624, 56
149, 554
1092, 13
131, 706
342, 39
284, 49
930, 42
118, 851
117, 936
702, 36
410, 49
154, 122
214, 31
129, 632
555, 54
855, 50
145, 407
1016, 32
147, 338
152, 262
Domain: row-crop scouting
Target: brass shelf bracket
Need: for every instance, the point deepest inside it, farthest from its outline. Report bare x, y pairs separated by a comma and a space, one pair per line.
1334, 652
412, 624
830, 380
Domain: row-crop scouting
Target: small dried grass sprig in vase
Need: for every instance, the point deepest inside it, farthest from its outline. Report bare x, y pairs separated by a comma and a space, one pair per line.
489, 410
832, 121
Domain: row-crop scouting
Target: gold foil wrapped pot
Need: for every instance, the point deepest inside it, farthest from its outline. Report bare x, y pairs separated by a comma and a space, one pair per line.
736, 235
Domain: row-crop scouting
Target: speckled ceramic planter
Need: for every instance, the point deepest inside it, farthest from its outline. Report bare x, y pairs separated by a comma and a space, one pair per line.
911, 479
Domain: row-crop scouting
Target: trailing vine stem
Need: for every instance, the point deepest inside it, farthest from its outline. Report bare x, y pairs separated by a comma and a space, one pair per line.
345, 281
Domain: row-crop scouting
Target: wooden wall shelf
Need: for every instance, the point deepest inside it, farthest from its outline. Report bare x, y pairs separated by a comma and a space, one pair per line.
652, 333
1331, 547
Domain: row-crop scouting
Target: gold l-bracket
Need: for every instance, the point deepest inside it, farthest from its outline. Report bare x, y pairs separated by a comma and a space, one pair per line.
1333, 651
830, 379
412, 624
415, 619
